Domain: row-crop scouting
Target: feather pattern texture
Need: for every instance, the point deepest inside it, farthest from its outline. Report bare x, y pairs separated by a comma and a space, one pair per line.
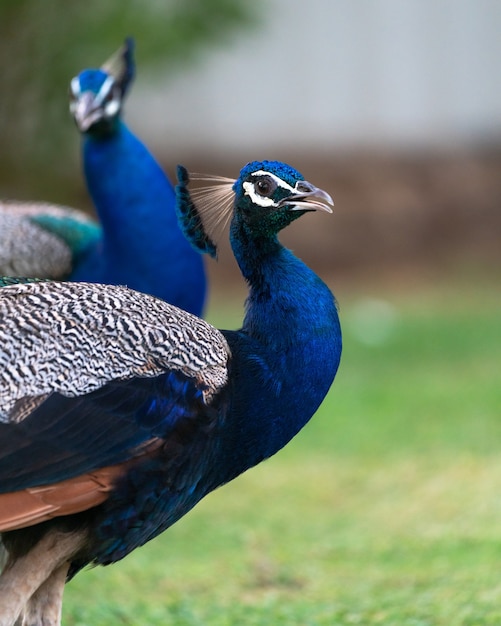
97, 334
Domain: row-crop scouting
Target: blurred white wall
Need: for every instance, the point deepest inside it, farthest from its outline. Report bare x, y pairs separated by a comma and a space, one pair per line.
328, 73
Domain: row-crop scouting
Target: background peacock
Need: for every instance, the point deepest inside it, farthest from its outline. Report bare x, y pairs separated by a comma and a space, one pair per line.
120, 412
139, 243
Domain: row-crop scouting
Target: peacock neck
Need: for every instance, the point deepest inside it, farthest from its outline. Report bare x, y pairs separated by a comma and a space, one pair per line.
130, 191
257, 256
287, 301
142, 245
287, 353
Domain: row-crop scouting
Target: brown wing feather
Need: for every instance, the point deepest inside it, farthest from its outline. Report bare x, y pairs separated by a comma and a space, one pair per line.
34, 505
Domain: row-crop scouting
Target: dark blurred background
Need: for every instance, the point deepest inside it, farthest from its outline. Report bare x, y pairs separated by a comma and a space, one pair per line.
393, 107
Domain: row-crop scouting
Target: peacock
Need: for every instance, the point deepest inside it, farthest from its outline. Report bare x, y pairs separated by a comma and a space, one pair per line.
120, 412
142, 245
139, 242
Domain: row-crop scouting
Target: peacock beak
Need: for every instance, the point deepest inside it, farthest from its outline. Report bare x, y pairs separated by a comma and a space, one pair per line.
85, 111
308, 197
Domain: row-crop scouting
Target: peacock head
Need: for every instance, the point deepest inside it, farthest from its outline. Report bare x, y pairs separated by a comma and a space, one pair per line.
269, 195
266, 197
96, 95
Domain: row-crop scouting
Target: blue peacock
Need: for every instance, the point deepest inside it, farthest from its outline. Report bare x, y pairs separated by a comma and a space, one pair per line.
120, 412
139, 242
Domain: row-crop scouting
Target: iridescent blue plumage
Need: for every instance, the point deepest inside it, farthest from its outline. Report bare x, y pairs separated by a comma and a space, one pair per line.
170, 407
142, 245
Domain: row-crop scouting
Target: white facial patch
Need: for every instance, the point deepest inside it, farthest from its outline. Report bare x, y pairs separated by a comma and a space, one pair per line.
112, 108
250, 189
75, 86
75, 94
256, 198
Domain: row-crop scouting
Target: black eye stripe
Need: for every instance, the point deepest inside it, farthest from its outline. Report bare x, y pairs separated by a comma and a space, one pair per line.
110, 95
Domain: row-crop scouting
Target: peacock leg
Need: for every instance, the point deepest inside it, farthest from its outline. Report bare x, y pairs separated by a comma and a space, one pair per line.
35, 578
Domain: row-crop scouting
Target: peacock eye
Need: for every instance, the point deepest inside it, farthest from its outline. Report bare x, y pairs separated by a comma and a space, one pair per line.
265, 186
109, 96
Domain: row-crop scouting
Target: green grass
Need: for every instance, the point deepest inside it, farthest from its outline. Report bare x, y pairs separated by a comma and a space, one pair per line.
385, 510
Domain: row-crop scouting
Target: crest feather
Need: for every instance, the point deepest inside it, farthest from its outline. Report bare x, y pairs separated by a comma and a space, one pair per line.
121, 65
204, 211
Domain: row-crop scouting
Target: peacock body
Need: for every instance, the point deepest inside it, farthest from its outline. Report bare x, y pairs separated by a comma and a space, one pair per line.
119, 412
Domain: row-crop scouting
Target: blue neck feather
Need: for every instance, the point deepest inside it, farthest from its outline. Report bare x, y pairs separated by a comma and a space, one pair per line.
291, 337
142, 245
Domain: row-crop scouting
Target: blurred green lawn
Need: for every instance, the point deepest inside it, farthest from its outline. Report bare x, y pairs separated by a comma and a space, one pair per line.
385, 510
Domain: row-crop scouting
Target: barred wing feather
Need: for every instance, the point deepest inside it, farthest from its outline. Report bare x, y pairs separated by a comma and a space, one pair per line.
90, 374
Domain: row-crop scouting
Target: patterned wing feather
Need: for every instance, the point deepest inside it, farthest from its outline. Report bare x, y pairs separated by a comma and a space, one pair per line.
90, 375
73, 338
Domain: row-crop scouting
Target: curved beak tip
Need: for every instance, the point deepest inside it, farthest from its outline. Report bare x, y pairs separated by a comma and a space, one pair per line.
311, 198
